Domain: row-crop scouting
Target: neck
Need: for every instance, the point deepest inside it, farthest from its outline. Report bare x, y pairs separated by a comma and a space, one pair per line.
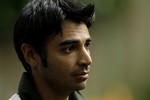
50, 92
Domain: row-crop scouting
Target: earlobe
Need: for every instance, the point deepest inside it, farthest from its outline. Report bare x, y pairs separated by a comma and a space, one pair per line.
29, 54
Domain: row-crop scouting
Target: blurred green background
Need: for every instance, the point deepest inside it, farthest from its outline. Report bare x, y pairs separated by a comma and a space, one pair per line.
120, 50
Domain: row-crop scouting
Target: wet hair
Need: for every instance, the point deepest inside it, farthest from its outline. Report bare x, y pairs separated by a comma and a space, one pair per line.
40, 19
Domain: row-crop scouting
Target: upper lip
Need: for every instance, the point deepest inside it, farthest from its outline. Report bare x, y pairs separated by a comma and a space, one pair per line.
82, 73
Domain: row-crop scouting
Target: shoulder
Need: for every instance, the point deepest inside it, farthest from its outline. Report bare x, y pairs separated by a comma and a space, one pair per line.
76, 95
15, 97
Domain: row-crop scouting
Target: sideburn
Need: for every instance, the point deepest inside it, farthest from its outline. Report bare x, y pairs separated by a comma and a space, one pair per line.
44, 58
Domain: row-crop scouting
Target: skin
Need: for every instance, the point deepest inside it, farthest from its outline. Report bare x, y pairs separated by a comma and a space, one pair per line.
68, 62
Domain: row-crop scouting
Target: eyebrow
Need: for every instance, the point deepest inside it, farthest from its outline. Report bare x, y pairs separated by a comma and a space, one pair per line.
68, 42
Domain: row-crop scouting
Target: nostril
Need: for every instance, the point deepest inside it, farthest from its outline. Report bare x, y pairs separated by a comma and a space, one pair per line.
85, 66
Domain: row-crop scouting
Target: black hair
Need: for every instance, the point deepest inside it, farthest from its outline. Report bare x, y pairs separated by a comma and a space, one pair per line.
42, 18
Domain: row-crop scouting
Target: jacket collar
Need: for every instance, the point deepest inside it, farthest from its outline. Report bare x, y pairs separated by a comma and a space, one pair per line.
27, 90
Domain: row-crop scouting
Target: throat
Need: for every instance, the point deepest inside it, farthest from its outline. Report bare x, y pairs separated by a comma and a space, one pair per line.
49, 91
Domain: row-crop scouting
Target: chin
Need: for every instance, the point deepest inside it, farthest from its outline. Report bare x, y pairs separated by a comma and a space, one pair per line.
80, 86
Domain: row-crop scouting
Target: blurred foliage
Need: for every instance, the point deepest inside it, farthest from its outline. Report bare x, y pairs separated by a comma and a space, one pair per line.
107, 8
9, 10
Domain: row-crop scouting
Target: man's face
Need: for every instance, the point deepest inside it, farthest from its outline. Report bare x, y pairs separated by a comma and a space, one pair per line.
68, 58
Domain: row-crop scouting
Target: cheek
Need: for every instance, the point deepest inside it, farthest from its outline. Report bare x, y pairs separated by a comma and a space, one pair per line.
60, 65
57, 59
58, 72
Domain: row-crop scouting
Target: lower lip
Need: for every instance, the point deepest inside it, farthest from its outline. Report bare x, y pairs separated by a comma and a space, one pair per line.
82, 77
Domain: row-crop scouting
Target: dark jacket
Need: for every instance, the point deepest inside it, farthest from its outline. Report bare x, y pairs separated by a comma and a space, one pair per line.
27, 90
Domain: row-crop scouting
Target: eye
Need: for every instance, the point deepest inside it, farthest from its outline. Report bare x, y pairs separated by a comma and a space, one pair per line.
88, 44
69, 49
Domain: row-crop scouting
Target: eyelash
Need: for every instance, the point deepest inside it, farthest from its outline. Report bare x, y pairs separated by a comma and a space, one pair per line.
87, 45
71, 48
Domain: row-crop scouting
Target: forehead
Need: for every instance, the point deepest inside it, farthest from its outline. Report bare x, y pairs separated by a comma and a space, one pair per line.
72, 30
71, 27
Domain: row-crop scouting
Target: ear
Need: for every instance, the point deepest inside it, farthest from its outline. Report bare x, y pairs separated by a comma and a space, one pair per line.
29, 54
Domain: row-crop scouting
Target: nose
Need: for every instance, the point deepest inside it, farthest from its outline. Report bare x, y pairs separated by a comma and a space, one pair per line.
84, 57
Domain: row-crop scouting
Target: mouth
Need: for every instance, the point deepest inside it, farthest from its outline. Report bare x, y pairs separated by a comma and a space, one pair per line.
82, 76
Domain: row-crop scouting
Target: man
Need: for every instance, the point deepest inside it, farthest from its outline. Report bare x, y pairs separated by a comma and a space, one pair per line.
52, 41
